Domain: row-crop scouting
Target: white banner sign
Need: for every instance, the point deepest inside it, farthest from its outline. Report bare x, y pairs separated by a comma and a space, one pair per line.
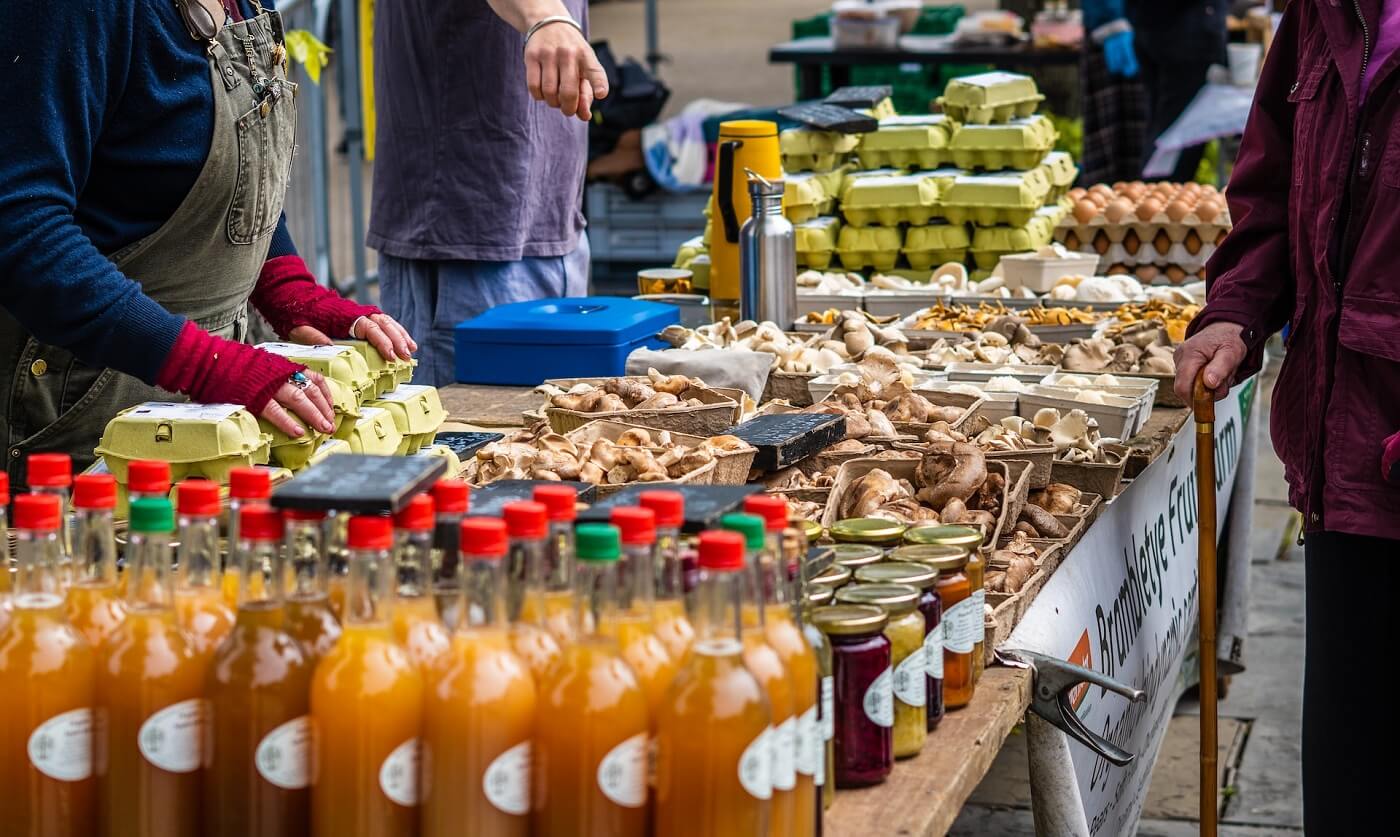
1124, 604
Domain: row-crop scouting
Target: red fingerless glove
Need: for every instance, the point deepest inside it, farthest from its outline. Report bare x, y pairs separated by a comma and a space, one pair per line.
212, 370
287, 296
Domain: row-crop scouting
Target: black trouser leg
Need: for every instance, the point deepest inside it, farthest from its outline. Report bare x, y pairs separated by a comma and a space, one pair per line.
1170, 88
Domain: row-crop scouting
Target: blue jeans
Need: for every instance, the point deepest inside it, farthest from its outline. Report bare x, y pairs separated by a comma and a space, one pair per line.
429, 298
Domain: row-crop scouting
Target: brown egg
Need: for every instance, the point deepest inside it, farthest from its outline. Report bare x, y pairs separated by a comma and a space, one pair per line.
1099, 198
1118, 211
1101, 243
1178, 209
1117, 269
1193, 242
1120, 186
1101, 189
1208, 209
1085, 210
1077, 193
1134, 192
1071, 241
1161, 243
1148, 209
1146, 272
1131, 242
1191, 188
1175, 274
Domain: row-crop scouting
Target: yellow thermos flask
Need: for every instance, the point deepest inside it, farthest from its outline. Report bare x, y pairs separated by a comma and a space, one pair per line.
743, 144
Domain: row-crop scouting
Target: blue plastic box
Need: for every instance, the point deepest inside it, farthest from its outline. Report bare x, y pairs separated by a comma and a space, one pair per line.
524, 343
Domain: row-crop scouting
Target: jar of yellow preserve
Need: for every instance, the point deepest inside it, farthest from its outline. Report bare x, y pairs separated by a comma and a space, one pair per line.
905, 631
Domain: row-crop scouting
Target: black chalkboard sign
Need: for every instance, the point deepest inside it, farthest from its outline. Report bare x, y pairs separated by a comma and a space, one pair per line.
704, 504
860, 97
827, 117
465, 445
359, 483
487, 500
783, 439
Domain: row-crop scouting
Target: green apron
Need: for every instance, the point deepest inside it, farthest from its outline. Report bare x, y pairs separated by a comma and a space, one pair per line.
202, 263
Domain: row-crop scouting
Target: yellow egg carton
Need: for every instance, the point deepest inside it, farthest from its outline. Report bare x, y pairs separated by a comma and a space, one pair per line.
198, 440
989, 244
374, 432
454, 463
805, 197
292, 454
417, 413
990, 97
805, 149
327, 449
917, 141
877, 247
935, 244
700, 272
387, 373
816, 241
689, 249
1060, 169
336, 363
1011, 198
854, 177
1018, 144
891, 200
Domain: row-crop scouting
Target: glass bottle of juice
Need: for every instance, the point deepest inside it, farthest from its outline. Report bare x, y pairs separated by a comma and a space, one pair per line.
150, 695
775, 581
199, 602
819, 597
337, 531
527, 525
52, 473
635, 624
767, 665
590, 746
673, 626
309, 619
6, 583
450, 500
479, 709
245, 486
366, 706
415, 617
94, 606
561, 502
713, 758
47, 671
257, 773
147, 478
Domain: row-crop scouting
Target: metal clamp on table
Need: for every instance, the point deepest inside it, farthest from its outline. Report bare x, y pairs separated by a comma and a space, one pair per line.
1050, 698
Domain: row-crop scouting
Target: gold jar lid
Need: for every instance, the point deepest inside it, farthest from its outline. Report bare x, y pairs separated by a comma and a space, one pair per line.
967, 537
820, 596
896, 599
832, 577
856, 554
870, 530
923, 553
898, 572
849, 620
812, 529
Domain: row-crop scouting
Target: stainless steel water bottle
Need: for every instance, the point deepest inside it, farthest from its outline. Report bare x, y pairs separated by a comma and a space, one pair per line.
767, 257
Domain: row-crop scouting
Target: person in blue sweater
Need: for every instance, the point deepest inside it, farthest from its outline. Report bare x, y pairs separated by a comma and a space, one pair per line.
144, 153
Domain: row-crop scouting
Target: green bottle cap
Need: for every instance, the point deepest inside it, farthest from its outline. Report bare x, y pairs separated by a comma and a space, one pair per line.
749, 525
151, 515
597, 542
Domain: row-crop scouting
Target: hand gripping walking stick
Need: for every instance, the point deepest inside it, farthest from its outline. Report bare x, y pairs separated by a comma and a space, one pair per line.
1203, 405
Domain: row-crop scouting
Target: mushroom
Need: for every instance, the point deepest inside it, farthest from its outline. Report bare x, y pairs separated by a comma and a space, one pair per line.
673, 384
1044, 522
1092, 355
658, 401
948, 470
869, 492
1057, 498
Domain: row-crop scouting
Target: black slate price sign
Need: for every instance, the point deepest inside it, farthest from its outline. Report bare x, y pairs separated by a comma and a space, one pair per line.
359, 483
827, 117
704, 504
487, 500
861, 97
465, 445
786, 438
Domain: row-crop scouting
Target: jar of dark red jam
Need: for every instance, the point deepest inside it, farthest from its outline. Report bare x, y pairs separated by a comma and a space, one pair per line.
931, 606
864, 683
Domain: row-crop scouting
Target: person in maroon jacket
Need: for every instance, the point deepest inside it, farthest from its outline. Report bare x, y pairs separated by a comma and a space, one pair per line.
1315, 198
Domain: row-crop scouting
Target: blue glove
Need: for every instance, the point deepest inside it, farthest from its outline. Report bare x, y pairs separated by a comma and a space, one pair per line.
1119, 55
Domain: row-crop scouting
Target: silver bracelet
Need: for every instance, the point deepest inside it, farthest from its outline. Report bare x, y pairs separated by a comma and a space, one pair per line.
545, 21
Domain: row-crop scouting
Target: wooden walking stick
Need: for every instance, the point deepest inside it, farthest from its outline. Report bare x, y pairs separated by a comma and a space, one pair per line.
1204, 408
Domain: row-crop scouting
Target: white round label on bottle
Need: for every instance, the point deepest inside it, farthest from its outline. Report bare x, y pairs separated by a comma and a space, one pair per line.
911, 679
828, 708
283, 756
398, 775
879, 700
170, 739
756, 766
819, 778
809, 742
785, 755
957, 635
61, 747
622, 774
933, 649
506, 782
979, 611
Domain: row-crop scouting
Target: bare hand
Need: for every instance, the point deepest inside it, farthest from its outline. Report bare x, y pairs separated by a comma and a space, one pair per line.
381, 331
1219, 350
561, 69
311, 404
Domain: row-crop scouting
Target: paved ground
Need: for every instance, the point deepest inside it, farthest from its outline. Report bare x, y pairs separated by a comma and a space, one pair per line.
1259, 719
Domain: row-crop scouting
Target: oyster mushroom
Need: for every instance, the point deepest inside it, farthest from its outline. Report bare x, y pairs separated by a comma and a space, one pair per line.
1057, 498
948, 470
869, 492
1092, 355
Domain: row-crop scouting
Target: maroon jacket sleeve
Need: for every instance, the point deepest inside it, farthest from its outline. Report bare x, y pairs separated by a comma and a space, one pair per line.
1250, 277
287, 296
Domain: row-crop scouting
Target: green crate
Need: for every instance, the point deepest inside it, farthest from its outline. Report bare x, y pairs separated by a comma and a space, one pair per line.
915, 88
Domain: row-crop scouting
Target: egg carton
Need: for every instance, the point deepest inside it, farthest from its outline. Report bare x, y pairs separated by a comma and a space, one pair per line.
1117, 416
1062, 172
854, 176
888, 201
990, 97
198, 440
873, 247
1211, 232
689, 249
387, 373
374, 432
805, 197
926, 247
915, 141
417, 413
815, 241
812, 141
1011, 198
1018, 144
1176, 255
344, 364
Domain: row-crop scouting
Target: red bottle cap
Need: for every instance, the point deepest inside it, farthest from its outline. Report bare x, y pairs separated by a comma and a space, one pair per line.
198, 497
38, 512
249, 484
561, 500
417, 516
483, 537
50, 470
721, 550
148, 476
370, 532
258, 522
451, 496
4, 488
637, 525
526, 519
304, 514
668, 505
95, 491
773, 510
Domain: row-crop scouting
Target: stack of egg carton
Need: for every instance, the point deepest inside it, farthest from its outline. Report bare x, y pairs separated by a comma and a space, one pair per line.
1164, 232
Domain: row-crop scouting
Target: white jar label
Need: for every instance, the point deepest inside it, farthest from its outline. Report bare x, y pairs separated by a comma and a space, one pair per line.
170, 739
958, 636
283, 756
911, 679
979, 599
828, 708
506, 782
879, 700
785, 755
933, 650
398, 775
756, 766
819, 778
809, 742
61, 747
622, 774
